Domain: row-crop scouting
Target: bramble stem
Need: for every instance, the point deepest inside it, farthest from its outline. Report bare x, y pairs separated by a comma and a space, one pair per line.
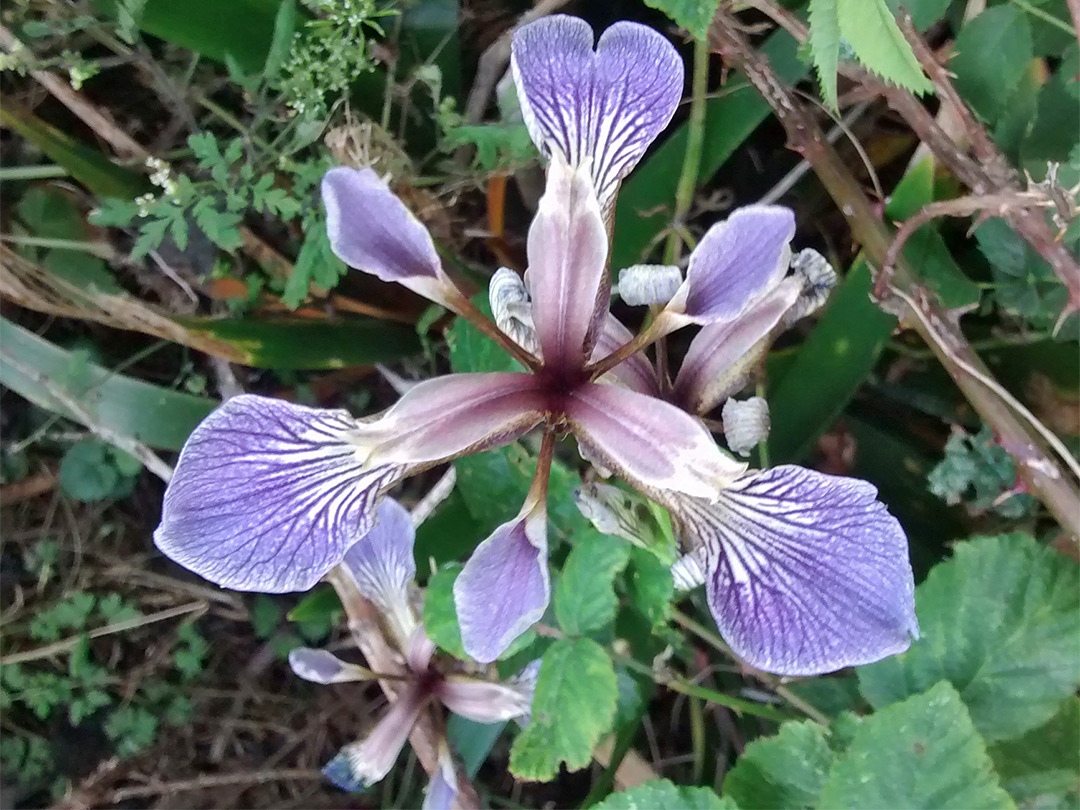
1043, 476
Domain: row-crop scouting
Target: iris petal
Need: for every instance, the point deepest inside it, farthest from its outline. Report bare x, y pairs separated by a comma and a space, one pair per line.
504, 588
605, 106
805, 572
268, 496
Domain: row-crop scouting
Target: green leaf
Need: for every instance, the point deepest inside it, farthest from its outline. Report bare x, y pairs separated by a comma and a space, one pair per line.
87, 472
924, 13
265, 615
472, 351
785, 772
1053, 135
992, 52
318, 605
693, 15
156, 416
574, 707
842, 350
585, 594
284, 28
825, 46
660, 793
1001, 622
871, 30
649, 585
472, 741
922, 753
1040, 768
439, 614
316, 264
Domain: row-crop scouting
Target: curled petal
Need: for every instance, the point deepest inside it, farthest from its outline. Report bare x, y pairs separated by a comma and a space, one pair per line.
567, 277
512, 309
805, 573
605, 106
372, 230
443, 788
687, 573
484, 701
504, 588
383, 568
746, 424
450, 416
321, 666
649, 284
635, 372
268, 496
361, 764
722, 354
735, 262
651, 443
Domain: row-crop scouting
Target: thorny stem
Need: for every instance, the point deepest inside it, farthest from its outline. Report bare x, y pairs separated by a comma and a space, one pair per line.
959, 207
1041, 474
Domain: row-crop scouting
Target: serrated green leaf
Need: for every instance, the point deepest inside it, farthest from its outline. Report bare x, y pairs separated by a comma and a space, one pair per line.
585, 594
574, 706
1040, 769
871, 30
992, 52
825, 47
649, 585
785, 772
921, 753
693, 15
660, 793
1001, 622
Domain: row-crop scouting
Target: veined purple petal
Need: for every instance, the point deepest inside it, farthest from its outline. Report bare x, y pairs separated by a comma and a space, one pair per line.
321, 666
651, 443
567, 277
372, 230
606, 106
805, 573
635, 372
443, 788
383, 568
504, 588
483, 701
268, 496
736, 261
712, 369
361, 764
450, 416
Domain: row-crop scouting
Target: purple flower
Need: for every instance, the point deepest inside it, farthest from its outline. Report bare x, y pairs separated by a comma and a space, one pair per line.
270, 496
381, 568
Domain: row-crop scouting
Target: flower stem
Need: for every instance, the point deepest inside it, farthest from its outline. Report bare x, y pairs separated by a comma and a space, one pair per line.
460, 304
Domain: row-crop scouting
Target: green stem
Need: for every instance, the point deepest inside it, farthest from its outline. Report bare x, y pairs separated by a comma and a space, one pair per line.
32, 172
684, 192
1043, 15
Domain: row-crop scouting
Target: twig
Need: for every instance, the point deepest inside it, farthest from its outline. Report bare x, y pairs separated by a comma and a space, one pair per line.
136, 448
959, 207
427, 505
1042, 476
67, 644
210, 781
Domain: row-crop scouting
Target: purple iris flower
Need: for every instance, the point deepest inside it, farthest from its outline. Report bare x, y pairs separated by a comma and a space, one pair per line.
805, 572
381, 568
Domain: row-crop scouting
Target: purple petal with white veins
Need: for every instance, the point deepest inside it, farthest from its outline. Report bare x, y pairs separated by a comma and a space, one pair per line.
443, 788
607, 105
268, 496
806, 573
321, 666
383, 568
567, 274
504, 588
736, 261
635, 372
483, 701
372, 230
651, 443
450, 416
361, 764
711, 370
